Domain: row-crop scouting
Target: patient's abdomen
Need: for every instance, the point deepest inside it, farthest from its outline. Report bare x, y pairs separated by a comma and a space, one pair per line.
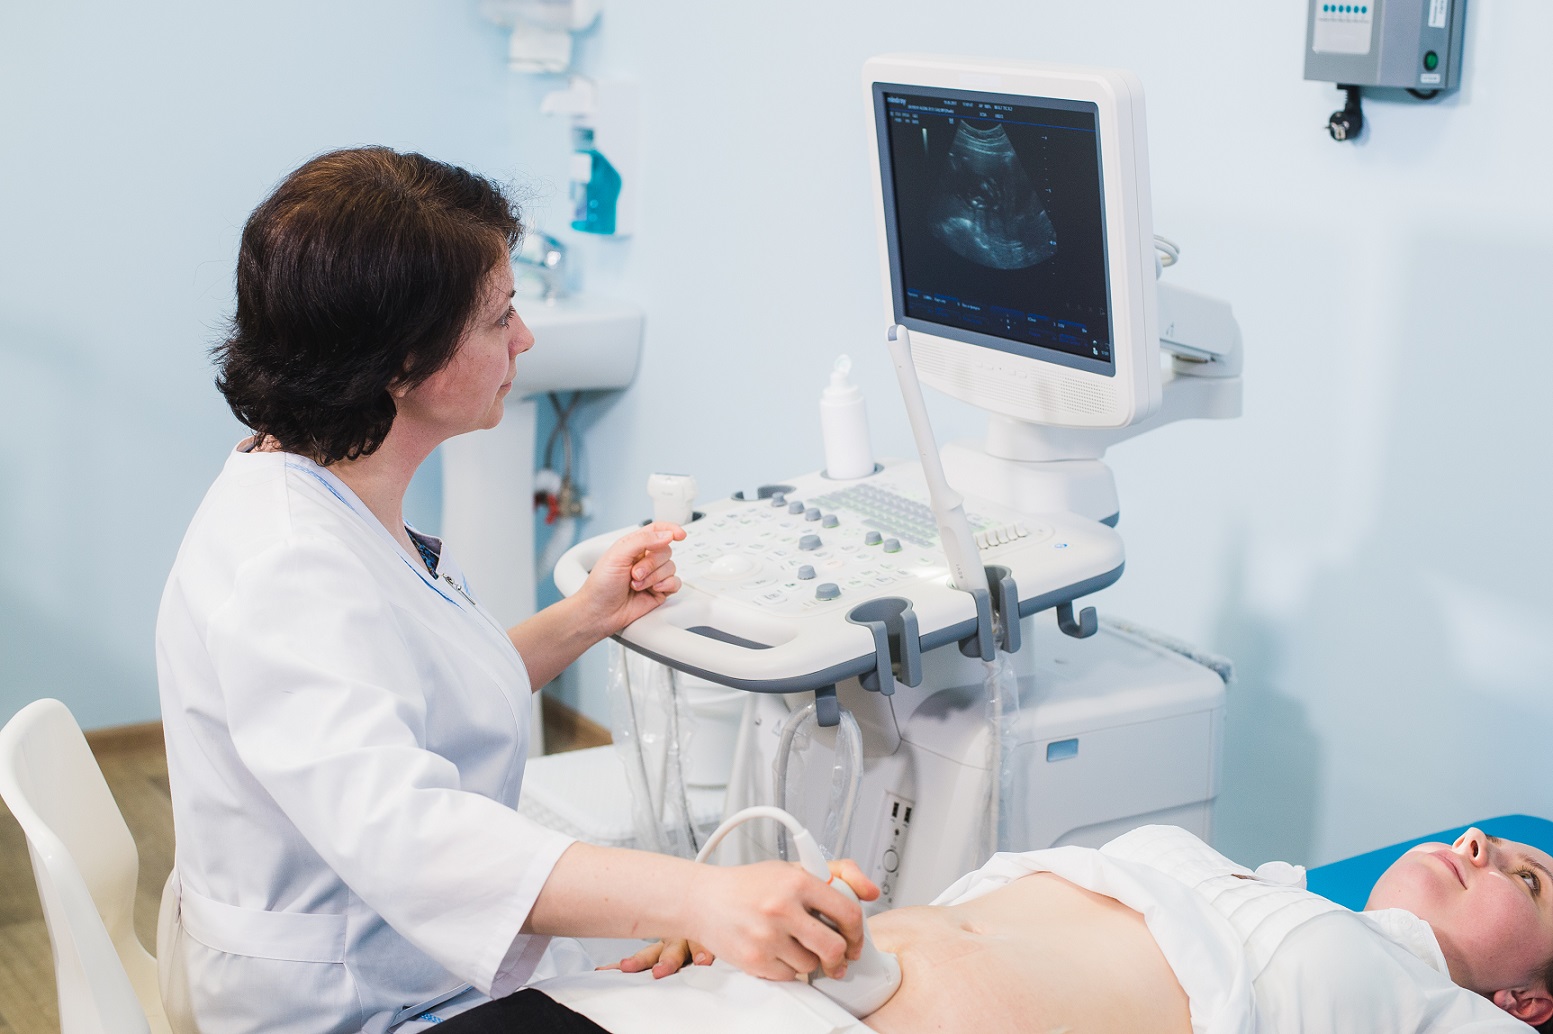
1037, 955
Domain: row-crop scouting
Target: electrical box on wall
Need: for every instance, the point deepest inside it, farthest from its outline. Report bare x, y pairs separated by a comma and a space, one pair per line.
1405, 44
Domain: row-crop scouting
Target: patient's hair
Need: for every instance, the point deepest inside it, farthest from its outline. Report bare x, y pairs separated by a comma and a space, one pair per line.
360, 272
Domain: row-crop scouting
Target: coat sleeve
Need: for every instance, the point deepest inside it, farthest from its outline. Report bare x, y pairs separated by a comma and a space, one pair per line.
325, 708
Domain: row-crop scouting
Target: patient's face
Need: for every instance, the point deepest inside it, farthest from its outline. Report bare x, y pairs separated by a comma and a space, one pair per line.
1489, 901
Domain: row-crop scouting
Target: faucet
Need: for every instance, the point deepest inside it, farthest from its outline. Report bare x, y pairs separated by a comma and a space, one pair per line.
544, 257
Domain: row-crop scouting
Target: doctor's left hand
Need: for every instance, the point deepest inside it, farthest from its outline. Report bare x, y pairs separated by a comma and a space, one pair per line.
634, 576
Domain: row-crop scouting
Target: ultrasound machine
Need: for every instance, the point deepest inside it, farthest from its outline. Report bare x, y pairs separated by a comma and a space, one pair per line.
919, 678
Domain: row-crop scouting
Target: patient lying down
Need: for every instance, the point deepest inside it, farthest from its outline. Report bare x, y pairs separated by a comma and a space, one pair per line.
1158, 932
1219, 948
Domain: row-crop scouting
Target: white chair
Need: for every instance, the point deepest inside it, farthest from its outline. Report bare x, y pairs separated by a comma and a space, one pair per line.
86, 865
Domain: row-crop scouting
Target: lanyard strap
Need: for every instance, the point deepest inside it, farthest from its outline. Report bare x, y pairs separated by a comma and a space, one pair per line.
415, 1011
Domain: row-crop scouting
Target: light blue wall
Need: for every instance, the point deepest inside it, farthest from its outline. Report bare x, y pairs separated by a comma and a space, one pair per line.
1366, 542
134, 140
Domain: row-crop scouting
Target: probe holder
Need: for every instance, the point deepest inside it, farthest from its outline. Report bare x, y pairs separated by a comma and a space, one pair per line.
897, 643
1005, 605
983, 643
1000, 600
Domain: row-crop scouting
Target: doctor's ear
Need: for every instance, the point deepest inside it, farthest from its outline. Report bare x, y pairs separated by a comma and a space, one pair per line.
1533, 1005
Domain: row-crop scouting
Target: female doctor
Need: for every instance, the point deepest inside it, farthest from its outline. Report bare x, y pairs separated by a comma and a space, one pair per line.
346, 726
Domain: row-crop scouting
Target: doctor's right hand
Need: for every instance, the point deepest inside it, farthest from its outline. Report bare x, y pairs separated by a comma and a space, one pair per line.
668, 957
761, 918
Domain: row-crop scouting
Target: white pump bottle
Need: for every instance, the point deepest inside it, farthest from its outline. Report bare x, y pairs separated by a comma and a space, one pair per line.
844, 426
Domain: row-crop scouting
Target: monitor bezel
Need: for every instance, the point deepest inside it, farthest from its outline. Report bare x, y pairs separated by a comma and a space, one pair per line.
1036, 387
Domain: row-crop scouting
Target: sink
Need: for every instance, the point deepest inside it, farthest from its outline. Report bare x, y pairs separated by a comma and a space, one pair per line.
581, 342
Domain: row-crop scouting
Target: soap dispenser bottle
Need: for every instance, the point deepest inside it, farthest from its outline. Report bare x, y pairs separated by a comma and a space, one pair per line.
595, 185
844, 426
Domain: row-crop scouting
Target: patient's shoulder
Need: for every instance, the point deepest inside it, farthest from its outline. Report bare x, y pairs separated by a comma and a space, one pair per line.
1340, 972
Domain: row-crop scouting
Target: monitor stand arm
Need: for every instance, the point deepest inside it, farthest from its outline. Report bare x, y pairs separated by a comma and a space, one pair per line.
1035, 468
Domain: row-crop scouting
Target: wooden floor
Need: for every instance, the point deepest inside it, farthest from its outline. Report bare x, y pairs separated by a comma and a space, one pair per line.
134, 764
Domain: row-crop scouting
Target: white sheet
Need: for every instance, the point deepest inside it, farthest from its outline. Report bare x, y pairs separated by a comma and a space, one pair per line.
718, 997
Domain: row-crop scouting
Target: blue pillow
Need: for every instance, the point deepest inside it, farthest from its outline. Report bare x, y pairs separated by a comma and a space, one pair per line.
1349, 881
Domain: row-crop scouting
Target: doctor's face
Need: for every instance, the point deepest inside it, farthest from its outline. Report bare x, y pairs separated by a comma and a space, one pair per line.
468, 393
1489, 901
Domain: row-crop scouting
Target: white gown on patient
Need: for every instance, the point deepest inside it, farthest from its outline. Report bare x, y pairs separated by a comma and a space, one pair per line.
1255, 956
346, 738
1264, 955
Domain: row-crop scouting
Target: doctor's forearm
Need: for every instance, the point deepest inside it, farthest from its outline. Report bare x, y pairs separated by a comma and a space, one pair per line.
552, 639
759, 917
613, 892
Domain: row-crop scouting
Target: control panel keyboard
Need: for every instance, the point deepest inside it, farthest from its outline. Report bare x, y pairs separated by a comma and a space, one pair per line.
772, 577
792, 552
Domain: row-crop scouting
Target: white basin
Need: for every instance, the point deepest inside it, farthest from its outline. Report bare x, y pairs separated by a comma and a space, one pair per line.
583, 342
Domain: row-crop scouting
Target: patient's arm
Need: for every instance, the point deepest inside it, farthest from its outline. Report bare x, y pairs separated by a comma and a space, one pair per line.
1038, 955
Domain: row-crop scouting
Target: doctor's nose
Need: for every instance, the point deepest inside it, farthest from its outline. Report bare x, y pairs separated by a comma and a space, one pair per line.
521, 339
1473, 846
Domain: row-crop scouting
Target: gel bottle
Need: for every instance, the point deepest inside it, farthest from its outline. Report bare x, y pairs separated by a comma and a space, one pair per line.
844, 426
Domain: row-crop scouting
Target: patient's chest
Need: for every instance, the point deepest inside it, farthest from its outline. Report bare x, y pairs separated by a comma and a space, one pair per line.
1038, 955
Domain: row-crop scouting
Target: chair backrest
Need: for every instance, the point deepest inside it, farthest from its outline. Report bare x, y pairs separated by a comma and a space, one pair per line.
85, 864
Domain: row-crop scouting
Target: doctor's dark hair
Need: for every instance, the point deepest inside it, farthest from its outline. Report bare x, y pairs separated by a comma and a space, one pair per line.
358, 274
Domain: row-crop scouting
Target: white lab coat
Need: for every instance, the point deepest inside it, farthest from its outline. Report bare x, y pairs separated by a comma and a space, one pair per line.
346, 738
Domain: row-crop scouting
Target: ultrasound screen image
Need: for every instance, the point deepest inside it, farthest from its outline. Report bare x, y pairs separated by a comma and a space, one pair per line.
986, 209
998, 228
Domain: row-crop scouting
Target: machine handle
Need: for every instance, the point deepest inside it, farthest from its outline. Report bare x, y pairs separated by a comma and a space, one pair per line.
573, 567
724, 660
730, 656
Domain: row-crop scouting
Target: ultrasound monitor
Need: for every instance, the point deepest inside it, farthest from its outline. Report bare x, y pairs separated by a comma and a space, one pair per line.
1016, 234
